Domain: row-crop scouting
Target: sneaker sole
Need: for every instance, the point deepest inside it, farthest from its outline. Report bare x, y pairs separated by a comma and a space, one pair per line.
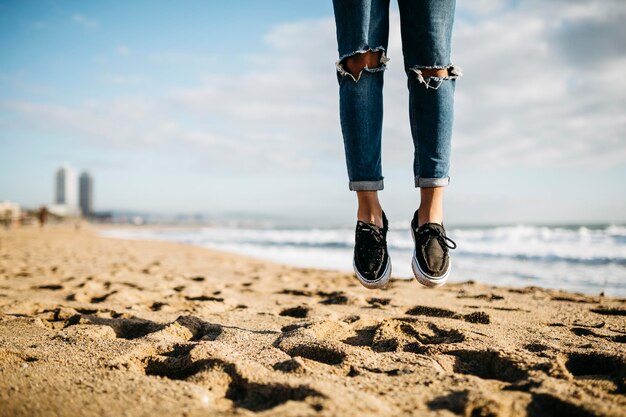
380, 282
421, 276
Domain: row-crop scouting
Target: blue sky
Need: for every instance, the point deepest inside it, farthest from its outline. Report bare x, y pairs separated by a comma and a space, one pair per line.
202, 106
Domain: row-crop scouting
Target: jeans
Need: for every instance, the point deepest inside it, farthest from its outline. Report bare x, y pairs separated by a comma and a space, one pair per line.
426, 28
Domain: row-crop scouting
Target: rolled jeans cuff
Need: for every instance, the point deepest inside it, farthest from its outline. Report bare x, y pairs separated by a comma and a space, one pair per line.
432, 182
366, 185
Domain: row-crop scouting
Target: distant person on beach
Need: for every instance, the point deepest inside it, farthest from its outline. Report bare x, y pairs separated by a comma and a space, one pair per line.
362, 37
42, 216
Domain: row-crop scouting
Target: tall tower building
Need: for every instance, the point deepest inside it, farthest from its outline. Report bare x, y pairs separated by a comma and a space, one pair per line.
66, 187
86, 193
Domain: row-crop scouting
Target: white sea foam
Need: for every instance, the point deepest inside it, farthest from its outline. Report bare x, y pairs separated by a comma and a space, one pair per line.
580, 258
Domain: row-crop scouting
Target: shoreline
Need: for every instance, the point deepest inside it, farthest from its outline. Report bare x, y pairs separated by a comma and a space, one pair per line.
102, 326
307, 248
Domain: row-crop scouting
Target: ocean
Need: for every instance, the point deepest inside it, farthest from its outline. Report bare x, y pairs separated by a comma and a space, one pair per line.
582, 258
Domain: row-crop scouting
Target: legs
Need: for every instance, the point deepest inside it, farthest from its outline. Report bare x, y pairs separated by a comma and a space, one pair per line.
431, 205
362, 37
370, 210
430, 209
361, 115
426, 28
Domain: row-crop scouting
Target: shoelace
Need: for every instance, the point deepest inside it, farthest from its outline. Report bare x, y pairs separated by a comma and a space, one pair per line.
377, 236
366, 246
430, 233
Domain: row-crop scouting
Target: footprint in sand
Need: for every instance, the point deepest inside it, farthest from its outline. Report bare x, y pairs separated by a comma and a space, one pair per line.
102, 298
582, 331
610, 311
571, 299
298, 293
205, 298
409, 335
488, 364
599, 365
315, 351
476, 317
543, 404
53, 287
224, 379
125, 326
157, 306
474, 403
299, 312
468, 403
292, 366
378, 302
536, 347
299, 343
333, 298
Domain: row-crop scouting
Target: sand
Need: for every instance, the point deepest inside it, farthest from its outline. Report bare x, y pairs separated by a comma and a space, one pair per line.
95, 326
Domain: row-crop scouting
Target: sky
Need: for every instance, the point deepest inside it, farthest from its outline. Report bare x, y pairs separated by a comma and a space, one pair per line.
232, 107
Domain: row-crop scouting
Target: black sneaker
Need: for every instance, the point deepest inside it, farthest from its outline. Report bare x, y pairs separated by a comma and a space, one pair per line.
431, 263
372, 264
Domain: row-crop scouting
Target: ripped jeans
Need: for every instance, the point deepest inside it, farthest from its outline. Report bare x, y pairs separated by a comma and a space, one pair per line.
426, 28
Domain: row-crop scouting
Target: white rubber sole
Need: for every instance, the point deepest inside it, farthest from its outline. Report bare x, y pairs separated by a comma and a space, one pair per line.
421, 276
380, 282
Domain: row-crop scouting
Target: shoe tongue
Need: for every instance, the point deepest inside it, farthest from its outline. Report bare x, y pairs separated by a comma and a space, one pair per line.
433, 227
436, 226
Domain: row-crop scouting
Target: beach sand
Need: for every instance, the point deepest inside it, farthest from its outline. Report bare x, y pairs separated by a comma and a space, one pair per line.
95, 326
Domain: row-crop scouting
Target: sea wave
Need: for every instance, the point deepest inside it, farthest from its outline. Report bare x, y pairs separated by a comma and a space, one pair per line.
577, 245
587, 258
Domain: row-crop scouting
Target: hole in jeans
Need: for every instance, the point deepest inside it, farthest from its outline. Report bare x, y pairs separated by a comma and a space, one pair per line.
371, 60
433, 77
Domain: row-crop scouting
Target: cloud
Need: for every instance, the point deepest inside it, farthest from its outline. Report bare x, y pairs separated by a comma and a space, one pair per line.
286, 99
525, 102
482, 8
528, 99
85, 22
592, 36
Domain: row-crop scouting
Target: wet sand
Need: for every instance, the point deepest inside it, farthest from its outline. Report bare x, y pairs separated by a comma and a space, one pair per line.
95, 326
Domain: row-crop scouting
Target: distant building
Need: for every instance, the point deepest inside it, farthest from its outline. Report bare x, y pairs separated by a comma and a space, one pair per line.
66, 188
86, 193
10, 213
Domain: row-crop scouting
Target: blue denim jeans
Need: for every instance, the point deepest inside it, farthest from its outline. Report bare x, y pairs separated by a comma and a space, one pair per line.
426, 27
